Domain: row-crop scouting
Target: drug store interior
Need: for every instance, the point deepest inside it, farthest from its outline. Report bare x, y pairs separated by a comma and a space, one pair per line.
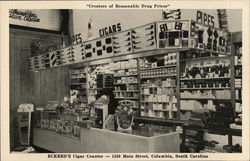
97, 81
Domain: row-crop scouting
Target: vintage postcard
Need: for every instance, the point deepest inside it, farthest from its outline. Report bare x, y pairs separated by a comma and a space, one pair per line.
124, 80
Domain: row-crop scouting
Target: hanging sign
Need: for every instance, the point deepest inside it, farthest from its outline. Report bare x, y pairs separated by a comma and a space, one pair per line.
171, 14
23, 15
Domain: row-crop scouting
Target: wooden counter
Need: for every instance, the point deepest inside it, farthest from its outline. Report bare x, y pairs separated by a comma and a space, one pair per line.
95, 140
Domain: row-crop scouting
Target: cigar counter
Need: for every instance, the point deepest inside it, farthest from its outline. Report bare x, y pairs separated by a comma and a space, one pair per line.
160, 87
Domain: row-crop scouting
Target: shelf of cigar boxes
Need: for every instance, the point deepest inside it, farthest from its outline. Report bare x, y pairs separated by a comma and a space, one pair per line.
205, 80
126, 84
158, 95
238, 81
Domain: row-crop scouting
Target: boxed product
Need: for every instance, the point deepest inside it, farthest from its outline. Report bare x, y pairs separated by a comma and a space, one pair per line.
52, 124
160, 106
123, 64
174, 107
44, 123
150, 113
76, 131
132, 63
117, 65
155, 106
69, 127
223, 94
130, 79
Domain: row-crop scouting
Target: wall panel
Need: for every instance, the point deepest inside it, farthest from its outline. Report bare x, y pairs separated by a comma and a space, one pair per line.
32, 87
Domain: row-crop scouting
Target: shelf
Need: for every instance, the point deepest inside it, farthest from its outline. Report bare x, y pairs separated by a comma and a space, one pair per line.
79, 78
155, 102
124, 68
129, 98
100, 88
238, 100
77, 83
205, 58
78, 73
158, 87
188, 110
187, 79
167, 66
229, 99
238, 88
126, 83
127, 91
212, 88
158, 76
48, 111
144, 94
238, 76
126, 75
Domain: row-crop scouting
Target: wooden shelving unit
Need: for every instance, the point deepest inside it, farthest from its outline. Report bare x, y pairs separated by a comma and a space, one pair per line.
155, 100
203, 76
78, 82
237, 75
126, 82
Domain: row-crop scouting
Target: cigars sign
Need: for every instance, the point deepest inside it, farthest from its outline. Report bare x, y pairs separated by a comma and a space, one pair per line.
23, 15
110, 30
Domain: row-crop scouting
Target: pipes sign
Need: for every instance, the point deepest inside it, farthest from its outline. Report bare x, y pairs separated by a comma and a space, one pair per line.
205, 18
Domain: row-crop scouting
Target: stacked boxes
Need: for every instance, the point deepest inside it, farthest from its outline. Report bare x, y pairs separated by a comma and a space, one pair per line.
158, 72
159, 98
105, 81
207, 94
238, 83
170, 59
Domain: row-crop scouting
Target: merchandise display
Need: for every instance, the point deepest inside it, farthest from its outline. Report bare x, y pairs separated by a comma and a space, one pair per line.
168, 73
169, 34
237, 69
63, 121
205, 80
158, 86
78, 85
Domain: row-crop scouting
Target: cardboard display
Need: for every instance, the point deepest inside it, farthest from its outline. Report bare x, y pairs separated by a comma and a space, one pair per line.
78, 52
37, 62
143, 38
122, 43
172, 34
209, 38
99, 48
158, 35
67, 56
